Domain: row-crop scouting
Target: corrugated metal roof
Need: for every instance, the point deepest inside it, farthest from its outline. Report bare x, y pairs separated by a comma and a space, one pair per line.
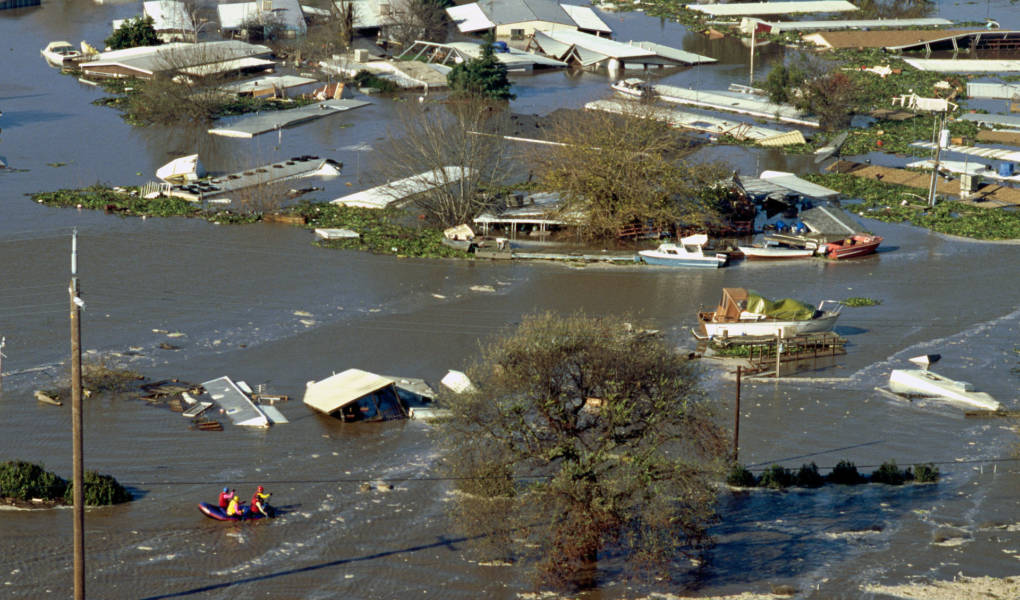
227, 66
886, 38
395, 191
747, 104
558, 43
772, 8
234, 402
273, 81
586, 18
512, 58
469, 18
336, 392
694, 121
155, 59
980, 39
998, 91
801, 186
999, 153
851, 24
829, 220
969, 65
1004, 120
681, 56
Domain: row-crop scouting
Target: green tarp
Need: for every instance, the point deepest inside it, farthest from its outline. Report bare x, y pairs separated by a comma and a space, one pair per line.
786, 309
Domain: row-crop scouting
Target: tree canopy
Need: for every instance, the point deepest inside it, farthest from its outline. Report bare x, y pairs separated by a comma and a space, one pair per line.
622, 170
139, 31
584, 439
483, 77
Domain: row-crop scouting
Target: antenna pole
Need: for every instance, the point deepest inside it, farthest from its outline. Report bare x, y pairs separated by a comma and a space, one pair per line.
78, 494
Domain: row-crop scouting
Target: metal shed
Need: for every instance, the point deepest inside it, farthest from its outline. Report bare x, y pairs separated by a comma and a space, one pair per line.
356, 395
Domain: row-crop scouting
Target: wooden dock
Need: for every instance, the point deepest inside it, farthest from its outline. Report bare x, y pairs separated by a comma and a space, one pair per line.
795, 352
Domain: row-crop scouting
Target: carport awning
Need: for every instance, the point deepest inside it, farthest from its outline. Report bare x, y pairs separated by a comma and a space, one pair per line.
336, 392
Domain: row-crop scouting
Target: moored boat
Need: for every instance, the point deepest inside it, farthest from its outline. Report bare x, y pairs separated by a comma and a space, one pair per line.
690, 252
742, 312
775, 250
60, 53
858, 244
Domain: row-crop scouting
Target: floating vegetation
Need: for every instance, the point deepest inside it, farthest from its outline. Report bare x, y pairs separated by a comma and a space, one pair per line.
894, 203
381, 231
860, 301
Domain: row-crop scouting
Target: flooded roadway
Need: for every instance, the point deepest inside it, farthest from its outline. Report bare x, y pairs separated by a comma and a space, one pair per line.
242, 295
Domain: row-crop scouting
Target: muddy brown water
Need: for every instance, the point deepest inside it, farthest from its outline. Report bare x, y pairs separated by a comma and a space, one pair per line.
263, 305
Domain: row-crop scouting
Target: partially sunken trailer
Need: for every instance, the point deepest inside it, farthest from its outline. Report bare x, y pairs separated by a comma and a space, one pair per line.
356, 395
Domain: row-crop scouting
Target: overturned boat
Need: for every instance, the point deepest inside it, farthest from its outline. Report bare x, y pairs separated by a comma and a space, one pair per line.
743, 312
926, 384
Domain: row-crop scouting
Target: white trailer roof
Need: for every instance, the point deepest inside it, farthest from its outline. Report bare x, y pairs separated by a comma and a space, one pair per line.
235, 403
967, 65
678, 55
999, 153
1012, 121
772, 8
469, 18
169, 15
846, 24
395, 191
336, 392
801, 186
586, 18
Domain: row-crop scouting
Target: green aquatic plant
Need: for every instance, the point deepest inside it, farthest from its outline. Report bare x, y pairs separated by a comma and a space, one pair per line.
845, 473
24, 481
740, 476
860, 301
99, 490
809, 477
926, 473
776, 477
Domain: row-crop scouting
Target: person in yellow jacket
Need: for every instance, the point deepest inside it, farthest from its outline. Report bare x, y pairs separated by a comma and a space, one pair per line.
236, 508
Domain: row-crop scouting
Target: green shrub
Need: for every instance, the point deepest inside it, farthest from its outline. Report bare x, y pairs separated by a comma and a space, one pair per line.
890, 474
24, 481
740, 477
926, 473
809, 477
100, 490
845, 473
776, 477
861, 301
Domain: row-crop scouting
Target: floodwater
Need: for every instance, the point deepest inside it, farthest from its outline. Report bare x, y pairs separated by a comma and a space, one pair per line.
261, 304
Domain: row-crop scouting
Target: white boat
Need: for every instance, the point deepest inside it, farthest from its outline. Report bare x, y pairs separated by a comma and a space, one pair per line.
690, 252
924, 383
60, 53
776, 250
746, 313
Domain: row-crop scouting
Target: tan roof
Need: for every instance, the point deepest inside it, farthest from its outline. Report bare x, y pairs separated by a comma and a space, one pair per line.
333, 393
879, 38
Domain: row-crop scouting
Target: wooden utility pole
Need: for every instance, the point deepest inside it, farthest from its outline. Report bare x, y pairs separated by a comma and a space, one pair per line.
78, 494
3, 342
736, 422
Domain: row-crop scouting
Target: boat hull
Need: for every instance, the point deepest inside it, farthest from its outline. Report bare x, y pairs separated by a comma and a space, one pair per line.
859, 246
916, 382
215, 512
705, 262
768, 327
756, 253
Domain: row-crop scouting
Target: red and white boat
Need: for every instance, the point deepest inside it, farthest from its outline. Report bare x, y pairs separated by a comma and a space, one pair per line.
858, 244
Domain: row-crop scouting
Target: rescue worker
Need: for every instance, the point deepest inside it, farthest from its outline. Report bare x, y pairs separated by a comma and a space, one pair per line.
259, 501
236, 508
225, 497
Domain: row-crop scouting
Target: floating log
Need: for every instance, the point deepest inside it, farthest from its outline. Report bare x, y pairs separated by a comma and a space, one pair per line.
45, 398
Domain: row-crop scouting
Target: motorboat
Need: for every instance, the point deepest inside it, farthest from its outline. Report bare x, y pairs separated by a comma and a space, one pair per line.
690, 252
743, 312
858, 244
771, 249
61, 54
927, 384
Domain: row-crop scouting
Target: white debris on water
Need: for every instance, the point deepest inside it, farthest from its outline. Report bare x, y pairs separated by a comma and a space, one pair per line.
960, 588
302, 313
176, 334
307, 322
483, 288
145, 548
440, 296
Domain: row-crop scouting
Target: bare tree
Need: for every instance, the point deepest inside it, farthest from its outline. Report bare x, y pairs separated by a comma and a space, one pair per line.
414, 20
626, 169
445, 142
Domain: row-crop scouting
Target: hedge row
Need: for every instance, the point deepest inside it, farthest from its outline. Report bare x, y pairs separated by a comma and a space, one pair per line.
844, 473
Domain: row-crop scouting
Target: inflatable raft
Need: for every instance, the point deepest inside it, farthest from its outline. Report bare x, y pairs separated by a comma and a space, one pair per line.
213, 511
